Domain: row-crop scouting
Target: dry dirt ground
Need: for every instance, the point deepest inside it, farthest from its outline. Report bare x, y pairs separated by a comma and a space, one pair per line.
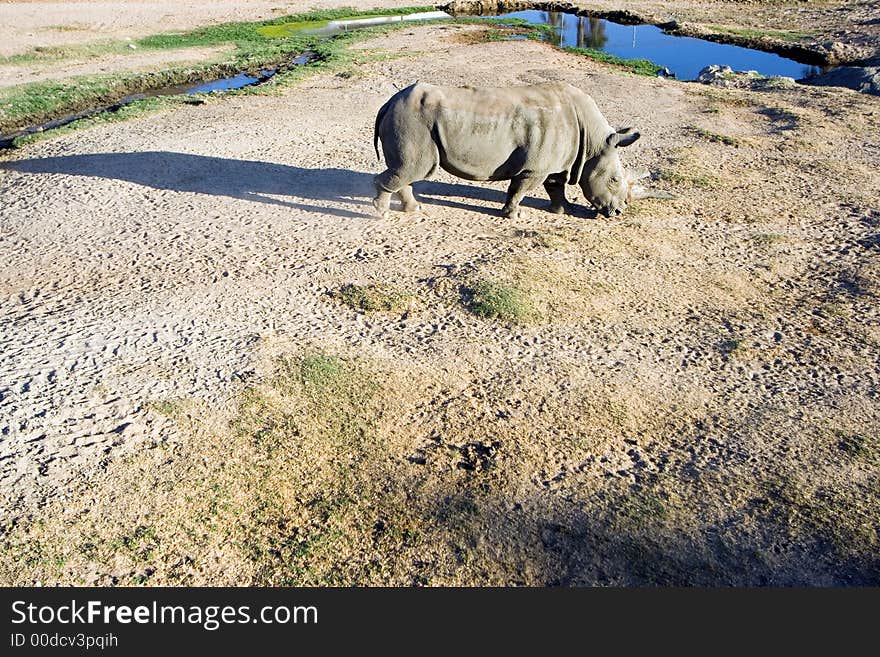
688, 395
11, 74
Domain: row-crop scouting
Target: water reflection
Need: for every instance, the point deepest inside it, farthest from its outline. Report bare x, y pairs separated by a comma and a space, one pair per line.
589, 32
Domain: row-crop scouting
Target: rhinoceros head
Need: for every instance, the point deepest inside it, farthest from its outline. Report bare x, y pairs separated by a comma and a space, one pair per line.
604, 181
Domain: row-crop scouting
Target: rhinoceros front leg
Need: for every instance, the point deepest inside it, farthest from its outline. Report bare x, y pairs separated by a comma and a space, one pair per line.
556, 191
519, 187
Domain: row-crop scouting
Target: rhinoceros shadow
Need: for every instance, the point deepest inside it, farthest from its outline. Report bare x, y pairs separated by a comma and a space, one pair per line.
432, 192
262, 182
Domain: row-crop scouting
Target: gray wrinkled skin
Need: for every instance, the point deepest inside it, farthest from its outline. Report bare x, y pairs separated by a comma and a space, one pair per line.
551, 134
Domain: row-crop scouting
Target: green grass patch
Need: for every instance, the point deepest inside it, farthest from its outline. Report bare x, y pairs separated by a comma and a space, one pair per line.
491, 299
285, 30
254, 35
371, 298
312, 491
693, 179
847, 520
52, 54
736, 347
716, 137
859, 446
637, 66
768, 239
642, 508
751, 33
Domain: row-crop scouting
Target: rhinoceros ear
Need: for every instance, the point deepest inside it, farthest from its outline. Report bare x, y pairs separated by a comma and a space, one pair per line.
622, 137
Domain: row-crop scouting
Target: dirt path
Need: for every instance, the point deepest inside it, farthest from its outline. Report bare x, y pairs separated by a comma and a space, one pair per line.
160, 259
149, 61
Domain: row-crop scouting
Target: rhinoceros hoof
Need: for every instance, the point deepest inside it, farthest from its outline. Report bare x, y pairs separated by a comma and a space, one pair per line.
556, 209
511, 213
381, 212
415, 207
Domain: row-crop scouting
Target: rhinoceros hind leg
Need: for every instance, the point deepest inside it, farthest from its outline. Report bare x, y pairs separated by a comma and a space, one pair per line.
556, 192
409, 201
519, 187
382, 201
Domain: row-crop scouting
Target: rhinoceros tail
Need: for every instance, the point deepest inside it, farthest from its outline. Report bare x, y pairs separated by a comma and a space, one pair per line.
379, 116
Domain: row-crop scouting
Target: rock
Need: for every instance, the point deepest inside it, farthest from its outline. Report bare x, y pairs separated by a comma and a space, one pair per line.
775, 82
837, 52
861, 78
724, 76
715, 74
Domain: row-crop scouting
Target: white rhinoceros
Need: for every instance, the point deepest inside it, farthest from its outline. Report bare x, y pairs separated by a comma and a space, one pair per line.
550, 133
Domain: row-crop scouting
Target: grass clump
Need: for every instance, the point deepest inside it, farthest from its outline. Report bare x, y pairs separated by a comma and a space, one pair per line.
736, 347
847, 520
716, 137
693, 179
768, 239
540, 238
751, 33
371, 298
858, 446
284, 30
495, 300
319, 490
637, 66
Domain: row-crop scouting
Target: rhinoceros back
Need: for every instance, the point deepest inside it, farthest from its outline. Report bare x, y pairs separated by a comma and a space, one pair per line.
488, 133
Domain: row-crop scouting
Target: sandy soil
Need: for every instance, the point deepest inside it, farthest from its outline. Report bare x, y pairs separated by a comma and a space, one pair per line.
736, 326
146, 61
31, 23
